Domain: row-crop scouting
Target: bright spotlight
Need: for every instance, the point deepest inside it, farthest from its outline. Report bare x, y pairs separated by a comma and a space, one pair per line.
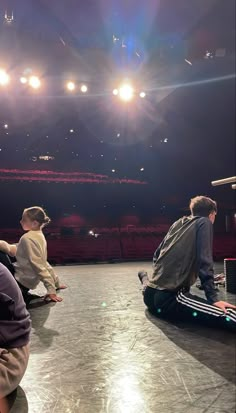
70, 86
115, 92
142, 94
126, 92
4, 78
84, 88
23, 80
34, 82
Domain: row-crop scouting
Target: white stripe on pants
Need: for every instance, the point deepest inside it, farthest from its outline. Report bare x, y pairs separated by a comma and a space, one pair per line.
204, 307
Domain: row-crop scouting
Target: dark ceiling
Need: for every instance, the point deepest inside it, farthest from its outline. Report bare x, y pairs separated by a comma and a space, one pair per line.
182, 53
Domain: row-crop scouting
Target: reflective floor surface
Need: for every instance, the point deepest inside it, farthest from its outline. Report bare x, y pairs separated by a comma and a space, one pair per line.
100, 351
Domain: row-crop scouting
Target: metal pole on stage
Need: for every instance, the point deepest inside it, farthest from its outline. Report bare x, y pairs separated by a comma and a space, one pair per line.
224, 181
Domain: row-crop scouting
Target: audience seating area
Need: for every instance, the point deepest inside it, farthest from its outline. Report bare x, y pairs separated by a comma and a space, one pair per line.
112, 244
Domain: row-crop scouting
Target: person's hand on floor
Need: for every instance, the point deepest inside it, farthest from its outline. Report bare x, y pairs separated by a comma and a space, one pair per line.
52, 297
223, 305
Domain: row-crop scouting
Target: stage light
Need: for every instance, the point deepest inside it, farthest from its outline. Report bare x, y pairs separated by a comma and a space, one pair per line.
34, 82
115, 92
84, 88
141, 169
4, 78
6, 126
70, 86
142, 94
126, 92
23, 80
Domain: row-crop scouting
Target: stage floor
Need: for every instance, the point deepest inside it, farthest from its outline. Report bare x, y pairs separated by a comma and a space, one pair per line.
100, 351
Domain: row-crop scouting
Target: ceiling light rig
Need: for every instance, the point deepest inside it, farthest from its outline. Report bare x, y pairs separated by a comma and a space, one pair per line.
125, 91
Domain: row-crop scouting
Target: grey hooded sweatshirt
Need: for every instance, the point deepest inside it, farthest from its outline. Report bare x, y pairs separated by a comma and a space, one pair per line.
185, 254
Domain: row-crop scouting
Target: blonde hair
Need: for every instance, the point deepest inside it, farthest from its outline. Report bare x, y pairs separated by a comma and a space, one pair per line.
38, 214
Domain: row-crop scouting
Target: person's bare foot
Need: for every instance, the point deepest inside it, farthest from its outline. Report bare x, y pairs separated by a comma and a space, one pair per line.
61, 287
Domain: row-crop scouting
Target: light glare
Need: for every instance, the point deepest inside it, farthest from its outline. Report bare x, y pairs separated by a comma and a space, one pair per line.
84, 88
126, 92
4, 78
23, 80
70, 86
34, 82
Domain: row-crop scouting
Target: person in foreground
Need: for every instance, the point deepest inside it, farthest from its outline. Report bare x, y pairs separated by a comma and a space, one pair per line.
15, 328
185, 254
31, 264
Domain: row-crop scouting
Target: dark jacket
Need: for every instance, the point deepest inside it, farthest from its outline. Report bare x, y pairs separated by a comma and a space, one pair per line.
15, 322
185, 254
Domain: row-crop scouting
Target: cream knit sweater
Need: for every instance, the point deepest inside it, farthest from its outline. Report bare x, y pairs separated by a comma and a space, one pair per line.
31, 265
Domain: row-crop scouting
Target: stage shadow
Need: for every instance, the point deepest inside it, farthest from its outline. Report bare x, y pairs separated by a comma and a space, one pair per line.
44, 335
212, 347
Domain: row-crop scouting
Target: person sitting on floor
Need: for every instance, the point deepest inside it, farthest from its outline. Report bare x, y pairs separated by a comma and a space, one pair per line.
185, 254
15, 328
31, 264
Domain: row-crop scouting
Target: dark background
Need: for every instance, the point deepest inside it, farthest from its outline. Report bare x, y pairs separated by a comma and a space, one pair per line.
182, 133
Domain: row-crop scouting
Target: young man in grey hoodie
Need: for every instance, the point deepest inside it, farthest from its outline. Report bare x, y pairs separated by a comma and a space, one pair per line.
185, 254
